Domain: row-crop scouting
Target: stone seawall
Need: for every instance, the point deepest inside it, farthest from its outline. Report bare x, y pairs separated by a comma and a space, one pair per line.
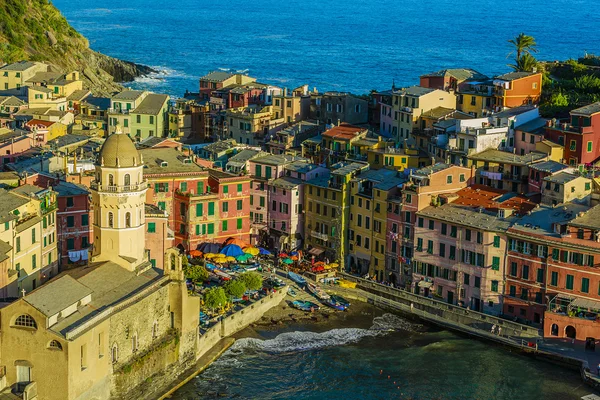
176, 375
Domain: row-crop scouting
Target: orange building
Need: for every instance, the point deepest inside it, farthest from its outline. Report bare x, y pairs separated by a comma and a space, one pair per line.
517, 88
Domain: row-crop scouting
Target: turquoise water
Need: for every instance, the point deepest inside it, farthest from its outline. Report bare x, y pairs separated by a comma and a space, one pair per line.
355, 363
334, 45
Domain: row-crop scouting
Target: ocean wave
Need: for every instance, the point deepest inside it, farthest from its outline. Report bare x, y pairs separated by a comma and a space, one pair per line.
302, 341
391, 322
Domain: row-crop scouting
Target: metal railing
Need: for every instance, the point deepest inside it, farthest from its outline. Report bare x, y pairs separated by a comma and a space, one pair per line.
119, 188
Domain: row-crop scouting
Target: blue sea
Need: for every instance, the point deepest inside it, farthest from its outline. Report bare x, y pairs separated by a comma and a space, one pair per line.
345, 45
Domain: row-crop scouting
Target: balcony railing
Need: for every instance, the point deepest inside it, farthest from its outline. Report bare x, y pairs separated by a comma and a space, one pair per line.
319, 235
118, 111
119, 189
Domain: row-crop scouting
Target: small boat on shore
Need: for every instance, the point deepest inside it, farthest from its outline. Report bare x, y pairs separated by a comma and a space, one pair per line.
317, 291
340, 300
305, 305
291, 292
331, 303
222, 275
296, 278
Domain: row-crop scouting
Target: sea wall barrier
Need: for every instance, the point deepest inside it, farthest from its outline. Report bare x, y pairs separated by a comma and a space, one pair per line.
439, 311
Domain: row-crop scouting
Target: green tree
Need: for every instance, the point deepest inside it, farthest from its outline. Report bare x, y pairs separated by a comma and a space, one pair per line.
196, 273
252, 280
215, 298
235, 288
524, 44
588, 83
526, 63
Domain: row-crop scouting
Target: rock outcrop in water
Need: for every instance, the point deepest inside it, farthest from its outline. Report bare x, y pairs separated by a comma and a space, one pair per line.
35, 30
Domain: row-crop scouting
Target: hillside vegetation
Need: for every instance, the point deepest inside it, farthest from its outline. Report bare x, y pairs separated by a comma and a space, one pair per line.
35, 30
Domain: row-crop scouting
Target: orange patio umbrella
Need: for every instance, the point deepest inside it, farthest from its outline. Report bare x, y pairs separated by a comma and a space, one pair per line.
235, 241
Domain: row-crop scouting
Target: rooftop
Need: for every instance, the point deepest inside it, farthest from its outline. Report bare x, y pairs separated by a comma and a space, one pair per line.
97, 103
70, 189
176, 162
503, 157
275, 159
28, 190
548, 166
151, 209
588, 110
8, 203
432, 169
79, 95
591, 219
45, 77
221, 145
533, 126
301, 166
128, 95
541, 220
466, 216
344, 168
561, 178
416, 91
438, 112
152, 104
511, 76
286, 183
19, 66
108, 283
461, 74
343, 132
481, 196
57, 295
514, 111
217, 76
243, 156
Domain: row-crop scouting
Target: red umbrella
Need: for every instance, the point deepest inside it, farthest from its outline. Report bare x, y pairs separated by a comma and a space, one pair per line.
283, 255
196, 253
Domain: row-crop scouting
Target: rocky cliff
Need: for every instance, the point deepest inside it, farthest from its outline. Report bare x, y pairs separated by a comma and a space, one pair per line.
35, 30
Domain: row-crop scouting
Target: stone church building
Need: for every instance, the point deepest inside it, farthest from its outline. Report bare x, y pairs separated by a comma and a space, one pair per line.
97, 331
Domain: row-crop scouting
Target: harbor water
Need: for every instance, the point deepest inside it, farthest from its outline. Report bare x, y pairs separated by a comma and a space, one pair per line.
386, 358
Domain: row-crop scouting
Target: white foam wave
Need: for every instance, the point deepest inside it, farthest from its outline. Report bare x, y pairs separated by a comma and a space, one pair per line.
303, 341
391, 322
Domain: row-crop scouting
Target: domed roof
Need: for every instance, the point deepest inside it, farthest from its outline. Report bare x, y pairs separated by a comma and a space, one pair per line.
118, 150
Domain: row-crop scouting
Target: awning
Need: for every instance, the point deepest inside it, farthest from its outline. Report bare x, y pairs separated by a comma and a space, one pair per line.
425, 284
585, 304
315, 251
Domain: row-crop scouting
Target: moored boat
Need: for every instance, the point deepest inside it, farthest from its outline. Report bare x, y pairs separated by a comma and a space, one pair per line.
340, 300
317, 291
291, 292
297, 278
331, 303
305, 305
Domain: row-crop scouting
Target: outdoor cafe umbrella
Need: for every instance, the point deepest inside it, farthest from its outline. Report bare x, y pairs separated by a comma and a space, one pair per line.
264, 252
235, 241
231, 259
208, 256
232, 250
253, 251
220, 259
244, 257
282, 255
287, 261
196, 253
294, 253
209, 247
334, 265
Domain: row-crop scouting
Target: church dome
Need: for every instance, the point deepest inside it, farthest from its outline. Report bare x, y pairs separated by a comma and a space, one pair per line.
118, 150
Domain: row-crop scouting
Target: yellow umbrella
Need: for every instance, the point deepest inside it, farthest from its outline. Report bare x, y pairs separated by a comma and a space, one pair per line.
230, 259
253, 251
220, 259
333, 265
210, 255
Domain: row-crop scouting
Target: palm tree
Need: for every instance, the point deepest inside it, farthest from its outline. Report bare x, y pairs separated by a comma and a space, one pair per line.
525, 63
524, 44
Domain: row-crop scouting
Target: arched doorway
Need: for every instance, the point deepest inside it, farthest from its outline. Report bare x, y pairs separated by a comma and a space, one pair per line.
554, 330
570, 332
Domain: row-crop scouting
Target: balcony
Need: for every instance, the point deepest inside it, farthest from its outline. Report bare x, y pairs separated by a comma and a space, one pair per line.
318, 235
119, 189
567, 127
118, 111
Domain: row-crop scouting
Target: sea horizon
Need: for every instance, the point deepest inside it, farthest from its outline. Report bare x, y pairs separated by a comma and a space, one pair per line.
323, 45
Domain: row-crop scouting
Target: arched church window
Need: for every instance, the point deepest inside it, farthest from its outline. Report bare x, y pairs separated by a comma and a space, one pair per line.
173, 261
128, 220
111, 221
111, 180
127, 180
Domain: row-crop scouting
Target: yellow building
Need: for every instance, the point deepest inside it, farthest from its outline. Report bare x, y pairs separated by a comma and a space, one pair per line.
27, 239
288, 107
327, 211
14, 76
139, 114
554, 150
408, 104
41, 96
477, 98
369, 193
252, 124
180, 120
397, 159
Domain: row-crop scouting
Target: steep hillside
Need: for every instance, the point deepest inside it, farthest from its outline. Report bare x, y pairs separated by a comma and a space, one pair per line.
35, 30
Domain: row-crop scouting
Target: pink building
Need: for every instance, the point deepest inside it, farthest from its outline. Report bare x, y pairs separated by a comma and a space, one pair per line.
13, 145
528, 134
158, 235
286, 220
541, 170
262, 170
